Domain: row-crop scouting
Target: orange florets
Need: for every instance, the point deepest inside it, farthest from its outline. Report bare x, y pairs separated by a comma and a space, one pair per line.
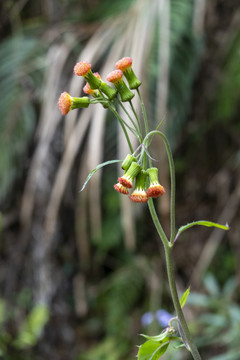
121, 189
155, 191
125, 181
115, 76
139, 196
82, 68
124, 64
65, 103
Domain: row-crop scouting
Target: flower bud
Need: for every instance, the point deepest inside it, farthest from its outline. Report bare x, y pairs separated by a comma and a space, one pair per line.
121, 189
155, 189
129, 175
125, 65
139, 194
115, 77
66, 102
127, 161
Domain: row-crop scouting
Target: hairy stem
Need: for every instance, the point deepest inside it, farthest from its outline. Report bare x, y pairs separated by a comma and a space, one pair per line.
171, 279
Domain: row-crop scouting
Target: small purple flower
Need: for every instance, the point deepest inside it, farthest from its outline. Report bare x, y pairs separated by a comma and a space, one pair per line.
147, 319
163, 317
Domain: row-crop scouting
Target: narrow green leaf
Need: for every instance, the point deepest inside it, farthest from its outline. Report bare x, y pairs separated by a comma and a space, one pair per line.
202, 223
97, 168
184, 297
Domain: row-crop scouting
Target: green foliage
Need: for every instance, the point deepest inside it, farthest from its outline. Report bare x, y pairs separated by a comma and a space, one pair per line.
32, 327
119, 295
106, 9
226, 102
20, 76
185, 51
109, 349
28, 330
152, 350
156, 346
219, 321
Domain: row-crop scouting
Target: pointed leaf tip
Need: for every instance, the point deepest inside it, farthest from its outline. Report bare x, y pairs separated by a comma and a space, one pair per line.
97, 168
184, 297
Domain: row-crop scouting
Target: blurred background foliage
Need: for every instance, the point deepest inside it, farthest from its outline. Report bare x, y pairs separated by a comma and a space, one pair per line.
78, 270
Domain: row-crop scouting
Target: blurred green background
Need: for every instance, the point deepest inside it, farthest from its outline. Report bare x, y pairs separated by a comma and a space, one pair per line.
78, 270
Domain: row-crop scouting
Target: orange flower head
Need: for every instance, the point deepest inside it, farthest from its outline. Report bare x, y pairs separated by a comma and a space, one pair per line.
129, 175
155, 191
82, 68
126, 181
123, 64
139, 196
115, 76
121, 189
65, 103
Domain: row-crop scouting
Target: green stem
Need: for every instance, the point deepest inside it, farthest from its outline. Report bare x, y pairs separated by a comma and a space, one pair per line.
144, 112
170, 271
146, 128
172, 177
139, 135
112, 108
136, 116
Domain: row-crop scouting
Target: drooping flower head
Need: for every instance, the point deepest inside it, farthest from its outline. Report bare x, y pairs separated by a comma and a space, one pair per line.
129, 175
128, 161
115, 77
66, 103
125, 65
155, 189
121, 189
139, 194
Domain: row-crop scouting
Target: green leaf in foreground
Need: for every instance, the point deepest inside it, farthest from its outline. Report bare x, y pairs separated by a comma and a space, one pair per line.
153, 350
202, 223
97, 168
184, 297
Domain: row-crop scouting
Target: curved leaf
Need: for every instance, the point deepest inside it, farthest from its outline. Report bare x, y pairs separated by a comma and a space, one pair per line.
97, 168
202, 223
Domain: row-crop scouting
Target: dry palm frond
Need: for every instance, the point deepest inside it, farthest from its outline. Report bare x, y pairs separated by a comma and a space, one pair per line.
127, 34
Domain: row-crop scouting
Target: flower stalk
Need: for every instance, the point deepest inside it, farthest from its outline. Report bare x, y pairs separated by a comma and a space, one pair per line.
137, 165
